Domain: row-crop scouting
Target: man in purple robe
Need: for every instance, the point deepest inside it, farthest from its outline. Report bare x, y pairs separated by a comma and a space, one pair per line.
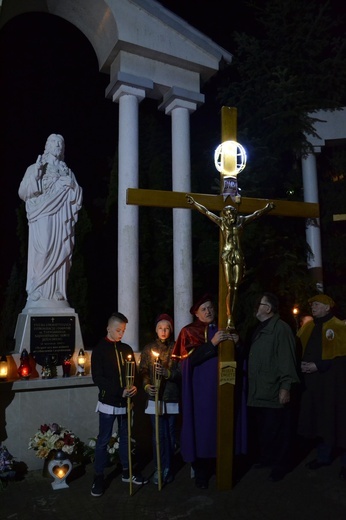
196, 347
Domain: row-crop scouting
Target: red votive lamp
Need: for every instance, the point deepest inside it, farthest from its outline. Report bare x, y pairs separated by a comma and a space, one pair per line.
66, 367
24, 369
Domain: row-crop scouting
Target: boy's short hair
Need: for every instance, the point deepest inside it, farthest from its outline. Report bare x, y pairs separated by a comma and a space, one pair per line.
118, 316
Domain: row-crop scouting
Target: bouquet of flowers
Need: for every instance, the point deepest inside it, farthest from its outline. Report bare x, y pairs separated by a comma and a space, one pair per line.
53, 437
112, 449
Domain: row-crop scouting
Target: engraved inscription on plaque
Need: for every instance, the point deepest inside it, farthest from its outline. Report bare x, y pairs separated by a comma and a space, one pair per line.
53, 337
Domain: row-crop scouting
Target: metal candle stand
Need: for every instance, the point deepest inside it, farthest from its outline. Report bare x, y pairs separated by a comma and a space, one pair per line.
157, 383
130, 378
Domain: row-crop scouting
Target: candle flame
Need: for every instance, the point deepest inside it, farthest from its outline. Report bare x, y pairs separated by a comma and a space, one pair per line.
155, 354
24, 371
61, 473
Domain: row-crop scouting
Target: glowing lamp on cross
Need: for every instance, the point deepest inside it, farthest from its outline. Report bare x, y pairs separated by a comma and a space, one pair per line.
230, 160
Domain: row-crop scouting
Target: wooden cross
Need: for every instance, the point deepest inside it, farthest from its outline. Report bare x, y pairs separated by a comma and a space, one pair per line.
166, 199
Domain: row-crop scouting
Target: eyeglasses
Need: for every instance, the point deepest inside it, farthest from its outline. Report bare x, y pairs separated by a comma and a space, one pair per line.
262, 303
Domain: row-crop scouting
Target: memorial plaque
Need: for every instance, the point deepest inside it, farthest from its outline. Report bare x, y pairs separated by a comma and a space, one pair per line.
53, 337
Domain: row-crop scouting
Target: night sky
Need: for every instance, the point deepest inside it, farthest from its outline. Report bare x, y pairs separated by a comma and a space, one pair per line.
50, 83
48, 88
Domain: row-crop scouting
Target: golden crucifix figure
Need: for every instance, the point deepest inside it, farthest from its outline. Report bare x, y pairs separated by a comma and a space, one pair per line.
231, 225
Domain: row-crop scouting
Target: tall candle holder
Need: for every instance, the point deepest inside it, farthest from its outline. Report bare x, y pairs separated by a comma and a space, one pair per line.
130, 372
130, 379
157, 373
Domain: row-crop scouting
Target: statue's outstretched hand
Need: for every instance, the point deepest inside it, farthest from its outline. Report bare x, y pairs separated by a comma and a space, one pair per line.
190, 200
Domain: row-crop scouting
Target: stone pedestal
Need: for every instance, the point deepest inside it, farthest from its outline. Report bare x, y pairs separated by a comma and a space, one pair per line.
23, 330
26, 405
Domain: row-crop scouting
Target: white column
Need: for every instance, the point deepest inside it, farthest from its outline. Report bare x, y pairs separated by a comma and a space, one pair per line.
128, 294
182, 239
313, 234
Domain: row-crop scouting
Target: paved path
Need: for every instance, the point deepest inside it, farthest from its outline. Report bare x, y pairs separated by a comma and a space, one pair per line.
302, 495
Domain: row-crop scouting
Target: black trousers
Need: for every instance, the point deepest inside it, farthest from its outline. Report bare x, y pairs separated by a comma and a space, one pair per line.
275, 436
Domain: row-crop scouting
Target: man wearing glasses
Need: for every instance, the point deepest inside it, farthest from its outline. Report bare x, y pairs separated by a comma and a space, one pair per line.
272, 372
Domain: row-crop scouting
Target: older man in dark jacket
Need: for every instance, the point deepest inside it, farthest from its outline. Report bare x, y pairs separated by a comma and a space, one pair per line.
272, 372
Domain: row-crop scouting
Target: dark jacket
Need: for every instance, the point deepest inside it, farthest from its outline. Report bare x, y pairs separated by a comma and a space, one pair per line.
170, 387
322, 407
108, 373
272, 363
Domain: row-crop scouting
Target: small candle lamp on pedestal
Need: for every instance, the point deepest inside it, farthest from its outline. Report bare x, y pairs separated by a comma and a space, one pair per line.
81, 363
3, 368
46, 371
60, 468
66, 367
24, 369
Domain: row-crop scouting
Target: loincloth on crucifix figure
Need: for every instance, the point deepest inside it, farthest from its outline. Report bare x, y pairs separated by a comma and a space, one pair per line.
231, 225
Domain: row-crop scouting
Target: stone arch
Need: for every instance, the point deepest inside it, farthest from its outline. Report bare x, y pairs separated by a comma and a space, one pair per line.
146, 51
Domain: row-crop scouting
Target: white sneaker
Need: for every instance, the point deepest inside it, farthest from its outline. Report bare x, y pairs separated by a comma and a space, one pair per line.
156, 478
139, 480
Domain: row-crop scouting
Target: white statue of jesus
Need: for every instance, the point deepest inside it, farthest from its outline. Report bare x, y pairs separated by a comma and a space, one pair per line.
52, 199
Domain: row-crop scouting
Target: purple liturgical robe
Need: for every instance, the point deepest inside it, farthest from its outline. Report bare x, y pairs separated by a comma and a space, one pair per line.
199, 393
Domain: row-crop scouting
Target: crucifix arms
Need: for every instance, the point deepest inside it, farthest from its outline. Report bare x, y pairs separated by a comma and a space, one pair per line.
177, 199
231, 225
256, 214
202, 209
229, 215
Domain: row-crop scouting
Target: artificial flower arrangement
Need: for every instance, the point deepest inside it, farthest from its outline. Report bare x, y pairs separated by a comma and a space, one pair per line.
112, 448
54, 437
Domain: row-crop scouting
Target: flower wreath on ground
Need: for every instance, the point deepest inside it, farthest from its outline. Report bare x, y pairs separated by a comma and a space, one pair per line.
52, 437
112, 449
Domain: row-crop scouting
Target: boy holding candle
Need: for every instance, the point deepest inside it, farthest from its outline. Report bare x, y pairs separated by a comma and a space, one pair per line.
109, 372
161, 379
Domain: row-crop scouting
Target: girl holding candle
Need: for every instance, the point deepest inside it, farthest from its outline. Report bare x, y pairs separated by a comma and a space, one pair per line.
156, 363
